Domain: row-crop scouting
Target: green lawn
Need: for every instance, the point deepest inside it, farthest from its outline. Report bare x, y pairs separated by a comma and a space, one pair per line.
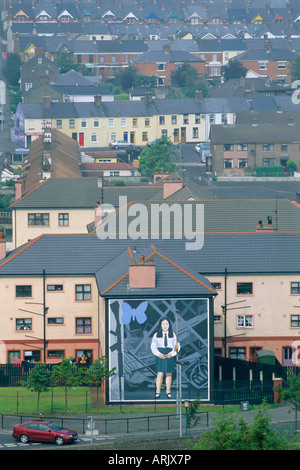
19, 400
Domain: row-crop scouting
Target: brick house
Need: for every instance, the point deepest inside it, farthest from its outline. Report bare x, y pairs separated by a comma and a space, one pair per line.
268, 62
163, 62
236, 147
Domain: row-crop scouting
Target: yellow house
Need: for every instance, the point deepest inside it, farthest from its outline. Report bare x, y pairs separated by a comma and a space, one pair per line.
99, 123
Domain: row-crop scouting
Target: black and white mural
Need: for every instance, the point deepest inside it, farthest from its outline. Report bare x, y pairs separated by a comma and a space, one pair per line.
147, 341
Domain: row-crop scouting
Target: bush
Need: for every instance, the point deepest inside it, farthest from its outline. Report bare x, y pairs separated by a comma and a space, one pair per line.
275, 170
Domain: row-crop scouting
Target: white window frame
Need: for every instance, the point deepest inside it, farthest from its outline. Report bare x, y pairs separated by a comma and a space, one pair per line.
244, 321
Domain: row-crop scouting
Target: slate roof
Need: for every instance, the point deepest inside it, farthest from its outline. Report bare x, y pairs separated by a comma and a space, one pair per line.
262, 133
67, 255
154, 56
172, 277
134, 108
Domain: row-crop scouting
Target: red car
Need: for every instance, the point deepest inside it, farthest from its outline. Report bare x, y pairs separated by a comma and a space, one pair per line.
43, 431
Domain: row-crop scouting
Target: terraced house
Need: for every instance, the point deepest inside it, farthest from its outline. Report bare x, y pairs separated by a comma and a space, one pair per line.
97, 124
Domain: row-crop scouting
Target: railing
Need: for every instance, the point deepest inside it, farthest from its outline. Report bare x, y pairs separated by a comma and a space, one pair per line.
111, 426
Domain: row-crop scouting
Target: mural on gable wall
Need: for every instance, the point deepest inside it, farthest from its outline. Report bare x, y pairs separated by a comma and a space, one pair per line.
146, 359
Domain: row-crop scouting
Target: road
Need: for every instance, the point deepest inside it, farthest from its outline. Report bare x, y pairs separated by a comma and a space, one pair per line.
7, 442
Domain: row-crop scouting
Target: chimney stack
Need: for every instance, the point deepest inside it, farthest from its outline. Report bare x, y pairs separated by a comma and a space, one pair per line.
18, 190
171, 187
142, 276
2, 246
98, 100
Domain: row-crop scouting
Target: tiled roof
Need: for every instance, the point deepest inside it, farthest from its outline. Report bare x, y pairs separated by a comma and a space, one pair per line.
239, 253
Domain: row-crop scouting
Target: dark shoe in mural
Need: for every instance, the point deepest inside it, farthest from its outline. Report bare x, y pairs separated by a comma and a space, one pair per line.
169, 395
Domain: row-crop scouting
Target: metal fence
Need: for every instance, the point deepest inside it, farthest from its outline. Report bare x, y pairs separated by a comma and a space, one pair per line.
111, 426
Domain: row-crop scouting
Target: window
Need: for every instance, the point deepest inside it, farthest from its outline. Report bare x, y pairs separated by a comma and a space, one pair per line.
123, 122
244, 288
134, 122
237, 353
217, 318
145, 136
284, 147
111, 122
71, 123
244, 321
263, 65
38, 219
23, 324
54, 287
295, 287
269, 161
185, 119
228, 147
242, 146
228, 163
197, 118
161, 67
58, 123
55, 321
242, 163
161, 119
23, 291
216, 285
295, 321
94, 137
63, 218
281, 64
174, 119
164, 132
56, 353
96, 123
195, 132
268, 147
83, 292
147, 122
83, 123
211, 118
83, 325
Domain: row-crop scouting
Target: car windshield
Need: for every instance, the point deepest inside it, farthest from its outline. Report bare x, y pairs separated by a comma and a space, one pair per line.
54, 427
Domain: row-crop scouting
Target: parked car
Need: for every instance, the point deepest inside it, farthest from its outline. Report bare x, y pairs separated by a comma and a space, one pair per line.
151, 143
43, 431
120, 143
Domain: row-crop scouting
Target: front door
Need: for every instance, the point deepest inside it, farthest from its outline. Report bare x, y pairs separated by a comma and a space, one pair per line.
176, 136
81, 139
183, 135
132, 137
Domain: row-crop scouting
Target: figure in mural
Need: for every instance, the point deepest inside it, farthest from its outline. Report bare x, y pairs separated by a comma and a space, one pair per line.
165, 347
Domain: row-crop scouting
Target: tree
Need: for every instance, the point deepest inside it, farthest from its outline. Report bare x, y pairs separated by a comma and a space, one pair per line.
97, 373
11, 69
187, 78
67, 375
291, 391
158, 157
126, 78
234, 70
295, 69
38, 381
231, 434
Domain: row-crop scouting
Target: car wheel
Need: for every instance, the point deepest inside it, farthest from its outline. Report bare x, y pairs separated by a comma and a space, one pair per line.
59, 441
24, 438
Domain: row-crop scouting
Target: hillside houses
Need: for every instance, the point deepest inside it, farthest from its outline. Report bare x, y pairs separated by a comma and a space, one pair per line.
172, 246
